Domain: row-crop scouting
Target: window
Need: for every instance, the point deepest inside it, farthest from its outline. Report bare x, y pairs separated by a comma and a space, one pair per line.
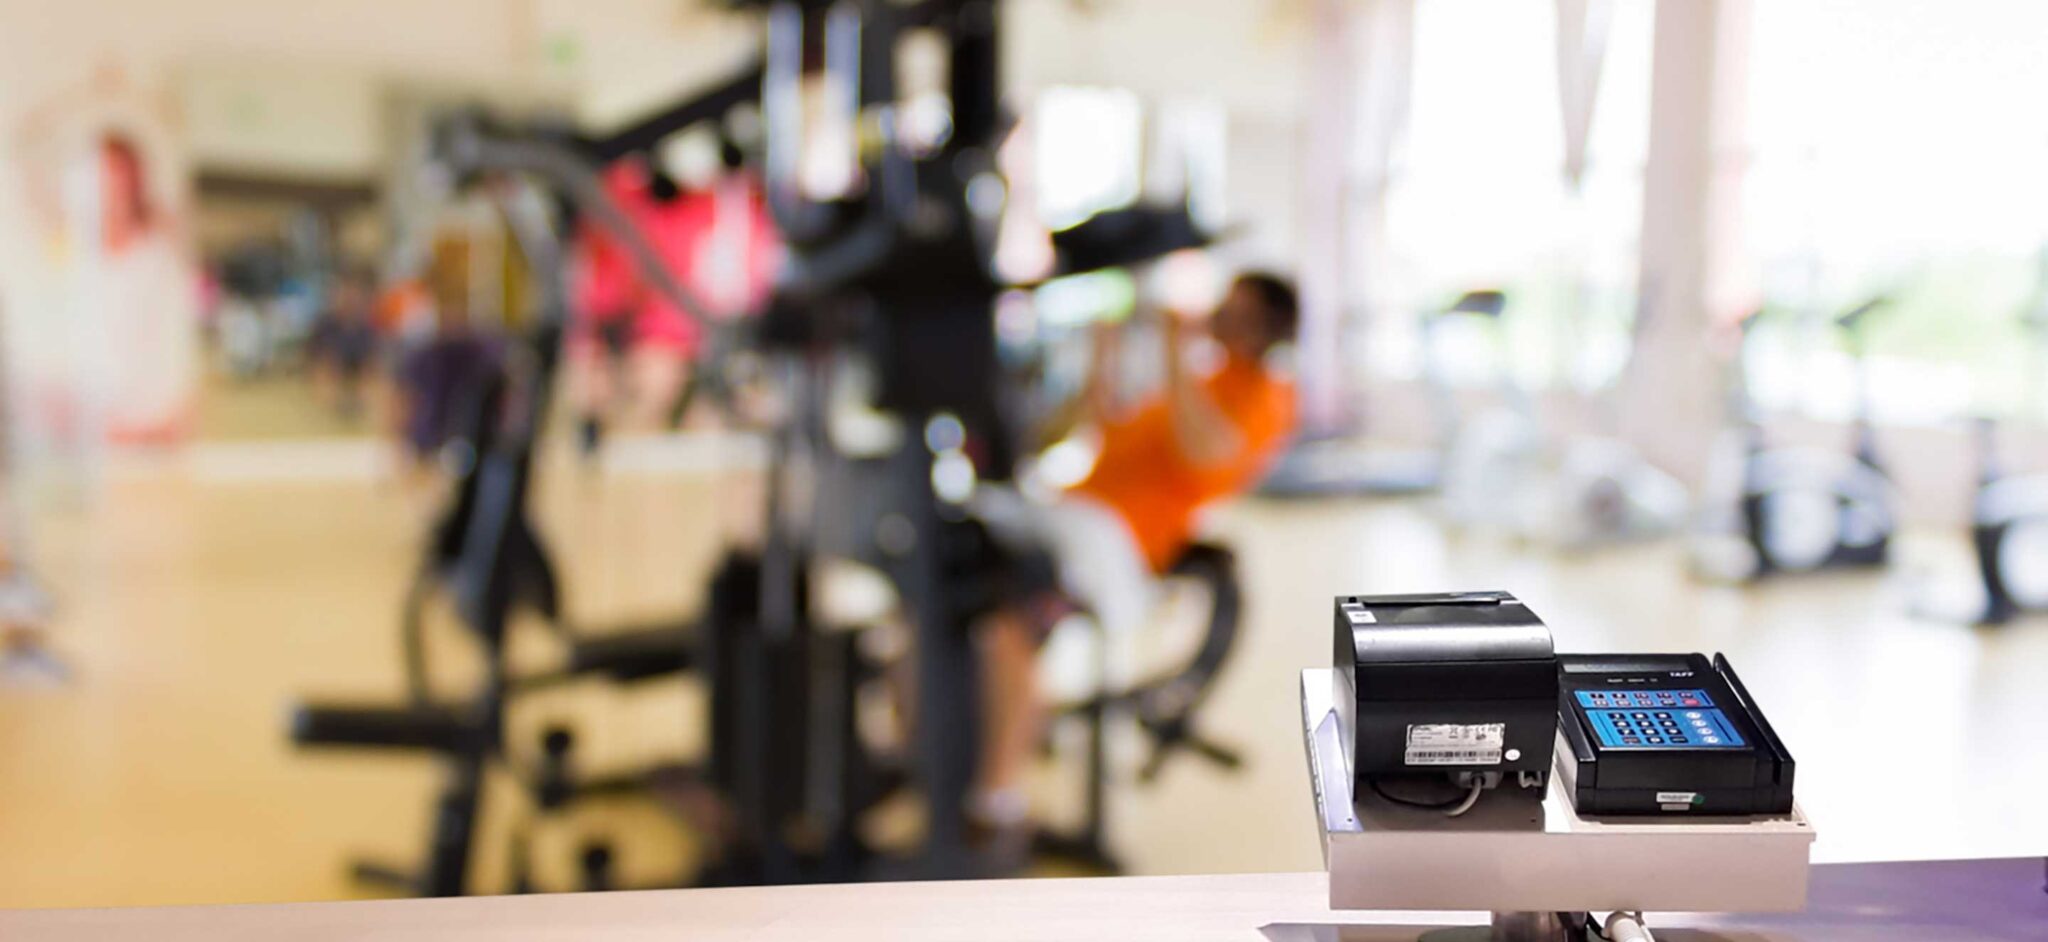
1087, 150
1083, 150
1476, 197
1896, 147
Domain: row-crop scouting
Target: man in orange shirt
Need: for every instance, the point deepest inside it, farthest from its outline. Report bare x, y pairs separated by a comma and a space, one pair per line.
1199, 439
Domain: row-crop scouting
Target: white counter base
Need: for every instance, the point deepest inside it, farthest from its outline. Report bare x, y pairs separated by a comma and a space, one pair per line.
1515, 852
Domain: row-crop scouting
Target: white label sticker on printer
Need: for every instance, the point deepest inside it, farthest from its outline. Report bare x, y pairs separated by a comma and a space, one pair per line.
1455, 744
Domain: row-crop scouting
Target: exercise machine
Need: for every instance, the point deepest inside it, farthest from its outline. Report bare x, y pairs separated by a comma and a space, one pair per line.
2009, 511
1492, 459
1586, 492
489, 562
485, 555
1346, 466
891, 277
2008, 524
1599, 490
1798, 509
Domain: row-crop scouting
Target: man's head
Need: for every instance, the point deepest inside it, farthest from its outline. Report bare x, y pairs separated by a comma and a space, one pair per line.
1256, 314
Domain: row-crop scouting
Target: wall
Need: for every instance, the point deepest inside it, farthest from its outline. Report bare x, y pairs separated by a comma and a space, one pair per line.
281, 120
1246, 54
1263, 193
450, 40
629, 57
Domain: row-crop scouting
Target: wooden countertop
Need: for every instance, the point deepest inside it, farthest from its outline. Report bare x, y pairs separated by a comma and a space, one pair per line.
1983, 901
1130, 908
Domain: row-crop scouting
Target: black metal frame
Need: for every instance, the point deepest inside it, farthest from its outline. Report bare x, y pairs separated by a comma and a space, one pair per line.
1165, 709
1990, 525
487, 557
785, 758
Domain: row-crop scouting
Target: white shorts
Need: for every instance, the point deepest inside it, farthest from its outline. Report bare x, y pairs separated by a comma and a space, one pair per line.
1100, 566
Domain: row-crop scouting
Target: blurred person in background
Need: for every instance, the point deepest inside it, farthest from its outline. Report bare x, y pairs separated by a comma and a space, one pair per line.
665, 338
344, 344
25, 610
403, 312
630, 347
147, 302
602, 323
241, 319
1201, 438
439, 377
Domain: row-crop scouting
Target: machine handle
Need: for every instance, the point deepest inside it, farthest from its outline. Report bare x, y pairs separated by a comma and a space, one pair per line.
431, 728
634, 655
384, 877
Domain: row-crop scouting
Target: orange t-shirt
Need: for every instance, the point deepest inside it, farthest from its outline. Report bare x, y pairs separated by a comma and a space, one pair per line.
1143, 475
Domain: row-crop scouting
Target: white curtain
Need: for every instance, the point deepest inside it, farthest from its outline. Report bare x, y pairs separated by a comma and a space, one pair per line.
1582, 30
1359, 96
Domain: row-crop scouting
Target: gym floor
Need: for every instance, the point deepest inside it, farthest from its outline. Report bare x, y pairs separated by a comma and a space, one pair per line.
201, 595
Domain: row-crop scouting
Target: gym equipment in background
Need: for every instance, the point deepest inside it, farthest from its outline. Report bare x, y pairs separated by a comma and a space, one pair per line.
1799, 509
893, 277
1342, 466
1583, 492
1128, 237
2008, 539
1165, 707
1496, 468
485, 555
1598, 489
1347, 465
2009, 512
1492, 459
271, 289
490, 564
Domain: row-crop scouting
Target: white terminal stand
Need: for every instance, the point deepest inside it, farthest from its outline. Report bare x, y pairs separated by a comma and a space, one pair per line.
1518, 853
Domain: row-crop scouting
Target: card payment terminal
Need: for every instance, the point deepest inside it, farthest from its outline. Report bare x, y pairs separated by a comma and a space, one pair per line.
1667, 733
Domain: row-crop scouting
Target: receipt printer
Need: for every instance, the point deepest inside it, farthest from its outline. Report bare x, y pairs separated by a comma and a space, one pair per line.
1460, 685
1668, 734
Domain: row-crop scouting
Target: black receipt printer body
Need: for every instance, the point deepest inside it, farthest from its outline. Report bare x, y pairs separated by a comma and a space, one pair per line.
1668, 734
1445, 684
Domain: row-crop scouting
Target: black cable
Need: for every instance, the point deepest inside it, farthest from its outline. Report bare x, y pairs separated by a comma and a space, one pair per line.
1446, 805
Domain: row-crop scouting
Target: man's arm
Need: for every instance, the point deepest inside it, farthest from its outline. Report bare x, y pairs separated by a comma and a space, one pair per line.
1204, 434
1094, 400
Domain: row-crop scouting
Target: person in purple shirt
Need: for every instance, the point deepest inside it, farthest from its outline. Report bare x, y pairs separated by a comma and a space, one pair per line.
437, 379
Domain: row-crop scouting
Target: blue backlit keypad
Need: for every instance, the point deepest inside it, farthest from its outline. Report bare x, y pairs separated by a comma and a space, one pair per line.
1658, 719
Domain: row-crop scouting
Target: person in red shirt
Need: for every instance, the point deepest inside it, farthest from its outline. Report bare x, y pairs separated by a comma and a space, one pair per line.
1201, 438
630, 344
